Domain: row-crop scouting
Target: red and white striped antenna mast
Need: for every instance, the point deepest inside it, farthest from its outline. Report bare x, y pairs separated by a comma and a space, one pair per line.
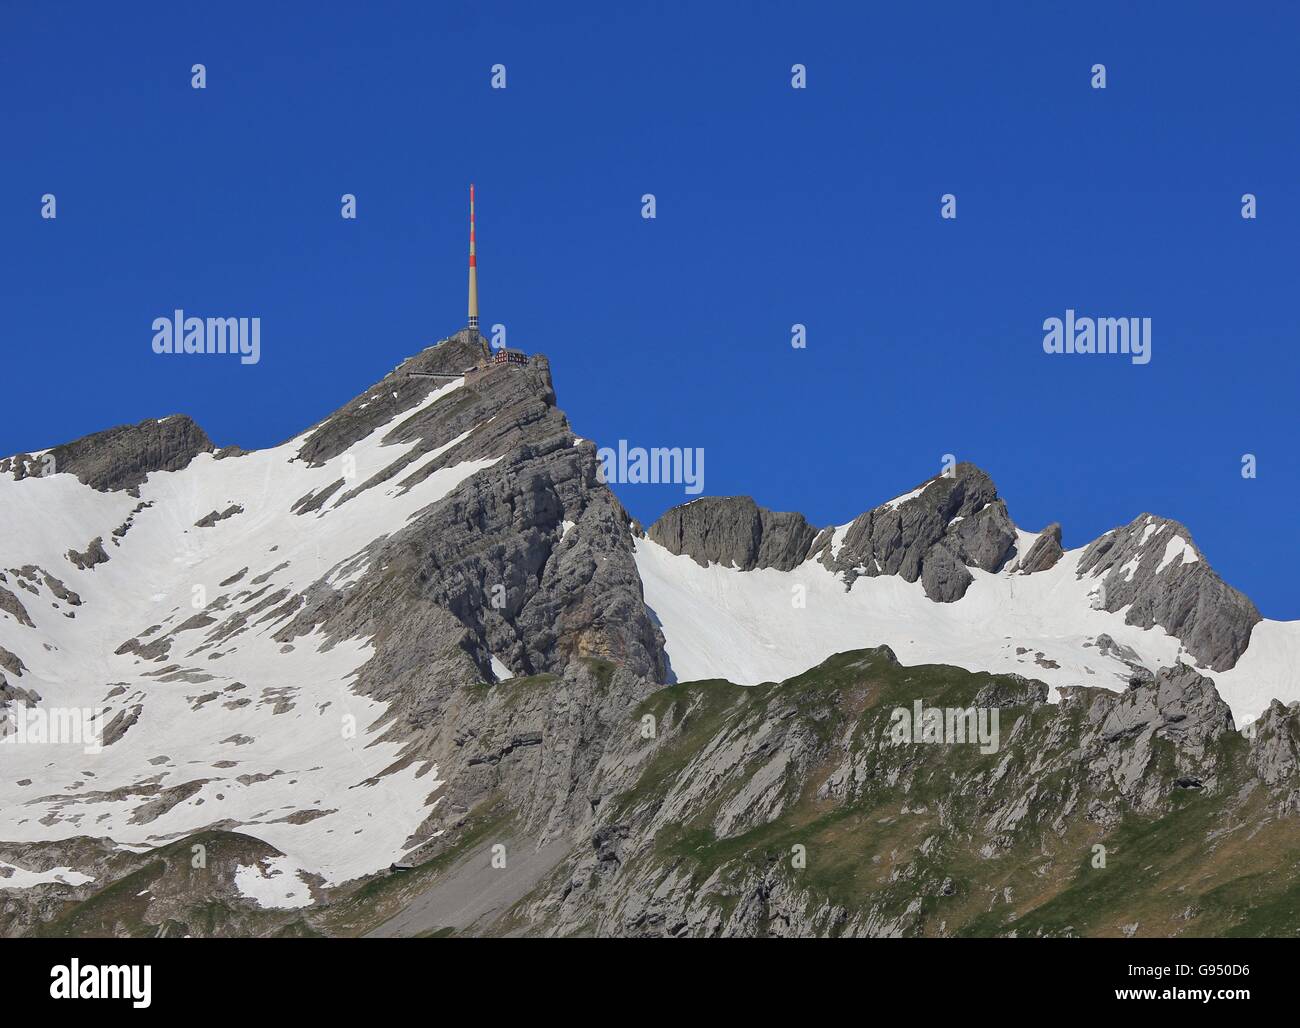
473, 268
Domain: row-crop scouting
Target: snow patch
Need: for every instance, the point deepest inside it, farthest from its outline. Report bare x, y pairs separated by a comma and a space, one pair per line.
898, 501
1177, 546
273, 883
14, 877
837, 538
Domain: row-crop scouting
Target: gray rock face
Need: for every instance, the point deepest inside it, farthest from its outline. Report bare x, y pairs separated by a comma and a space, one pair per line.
119, 458
1179, 704
500, 536
1012, 691
10, 693
399, 391
92, 555
537, 742
1123, 734
10, 604
210, 519
11, 662
529, 561
1152, 567
1275, 753
735, 532
943, 575
1138, 672
1044, 553
951, 524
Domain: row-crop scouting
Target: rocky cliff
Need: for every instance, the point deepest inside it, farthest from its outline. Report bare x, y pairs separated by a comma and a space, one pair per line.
118, 458
792, 809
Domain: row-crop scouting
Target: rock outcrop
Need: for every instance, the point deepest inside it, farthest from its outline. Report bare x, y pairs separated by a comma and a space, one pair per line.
1152, 567
934, 534
93, 554
1124, 730
1275, 753
118, 458
1044, 553
735, 532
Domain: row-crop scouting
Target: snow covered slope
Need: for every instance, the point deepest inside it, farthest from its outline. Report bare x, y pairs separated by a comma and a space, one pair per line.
764, 624
249, 731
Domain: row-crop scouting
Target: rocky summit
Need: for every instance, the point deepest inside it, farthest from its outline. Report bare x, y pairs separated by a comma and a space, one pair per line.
417, 672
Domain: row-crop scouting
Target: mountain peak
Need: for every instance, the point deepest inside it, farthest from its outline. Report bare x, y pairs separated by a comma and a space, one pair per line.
948, 523
1152, 567
406, 388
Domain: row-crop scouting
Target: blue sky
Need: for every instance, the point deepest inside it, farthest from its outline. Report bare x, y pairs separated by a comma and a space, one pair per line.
775, 206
